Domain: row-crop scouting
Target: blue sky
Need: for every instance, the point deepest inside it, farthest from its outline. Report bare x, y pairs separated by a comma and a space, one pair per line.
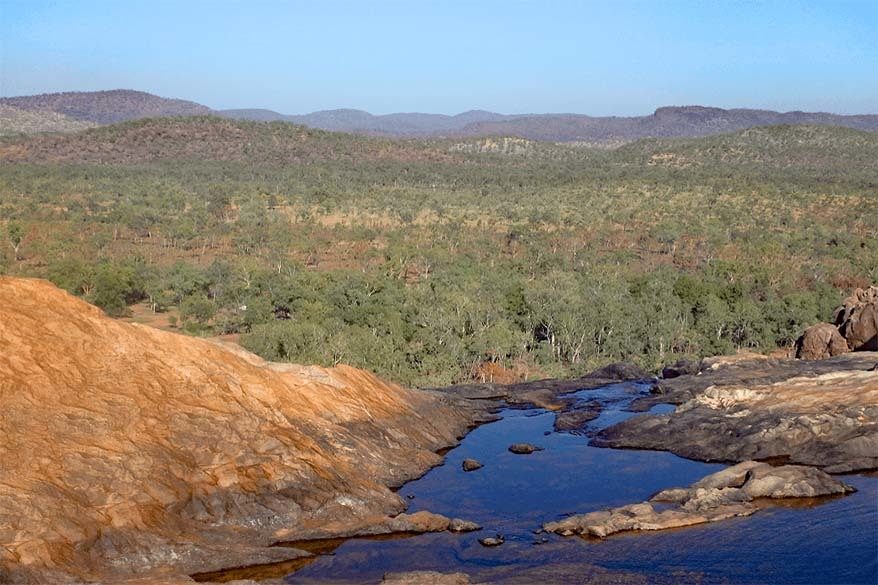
617, 57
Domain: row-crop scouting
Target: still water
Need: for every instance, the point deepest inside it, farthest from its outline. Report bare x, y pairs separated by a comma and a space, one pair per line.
833, 542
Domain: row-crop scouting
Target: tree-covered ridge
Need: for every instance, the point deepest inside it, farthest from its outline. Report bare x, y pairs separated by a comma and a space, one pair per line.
430, 262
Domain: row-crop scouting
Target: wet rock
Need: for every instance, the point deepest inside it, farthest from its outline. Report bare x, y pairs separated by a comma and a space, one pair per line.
819, 342
417, 522
723, 495
857, 319
425, 578
546, 394
492, 540
822, 413
458, 525
573, 420
682, 367
523, 448
471, 465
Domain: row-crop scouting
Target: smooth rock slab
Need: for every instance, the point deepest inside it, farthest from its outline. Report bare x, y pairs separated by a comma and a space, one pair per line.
719, 496
822, 413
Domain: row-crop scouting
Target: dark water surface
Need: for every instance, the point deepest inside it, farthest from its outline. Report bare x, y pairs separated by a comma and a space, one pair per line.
833, 542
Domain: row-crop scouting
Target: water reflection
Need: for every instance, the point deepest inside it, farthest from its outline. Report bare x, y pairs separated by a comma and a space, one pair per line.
834, 542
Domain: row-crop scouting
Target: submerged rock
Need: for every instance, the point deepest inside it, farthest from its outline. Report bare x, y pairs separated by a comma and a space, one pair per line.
425, 578
471, 465
723, 495
523, 448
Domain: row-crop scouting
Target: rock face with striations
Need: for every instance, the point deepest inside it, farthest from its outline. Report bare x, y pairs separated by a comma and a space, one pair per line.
127, 451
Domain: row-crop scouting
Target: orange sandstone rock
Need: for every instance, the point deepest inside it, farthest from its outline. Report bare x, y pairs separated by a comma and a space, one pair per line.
128, 450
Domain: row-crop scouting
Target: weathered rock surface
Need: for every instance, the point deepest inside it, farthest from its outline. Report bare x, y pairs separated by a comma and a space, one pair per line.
425, 578
857, 319
723, 495
546, 393
577, 418
682, 367
822, 413
471, 465
458, 525
523, 448
126, 451
821, 341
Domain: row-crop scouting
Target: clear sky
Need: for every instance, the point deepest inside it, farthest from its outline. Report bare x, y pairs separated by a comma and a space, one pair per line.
616, 57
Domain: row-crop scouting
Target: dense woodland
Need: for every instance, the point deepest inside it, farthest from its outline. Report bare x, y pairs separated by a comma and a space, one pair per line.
433, 262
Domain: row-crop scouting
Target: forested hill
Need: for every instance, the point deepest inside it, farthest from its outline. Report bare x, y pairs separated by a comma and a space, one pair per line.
208, 138
825, 148
432, 261
105, 107
70, 111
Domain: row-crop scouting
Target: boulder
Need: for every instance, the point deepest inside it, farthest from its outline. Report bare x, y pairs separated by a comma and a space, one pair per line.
523, 448
576, 419
682, 367
819, 342
857, 319
471, 465
621, 371
492, 540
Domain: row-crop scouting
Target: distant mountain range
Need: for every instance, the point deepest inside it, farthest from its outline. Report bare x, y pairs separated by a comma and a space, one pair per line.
74, 110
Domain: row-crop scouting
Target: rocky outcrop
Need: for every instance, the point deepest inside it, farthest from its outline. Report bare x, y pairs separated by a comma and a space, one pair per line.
490, 541
126, 450
680, 368
547, 393
857, 319
821, 341
470, 465
822, 413
523, 448
726, 494
458, 525
576, 419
